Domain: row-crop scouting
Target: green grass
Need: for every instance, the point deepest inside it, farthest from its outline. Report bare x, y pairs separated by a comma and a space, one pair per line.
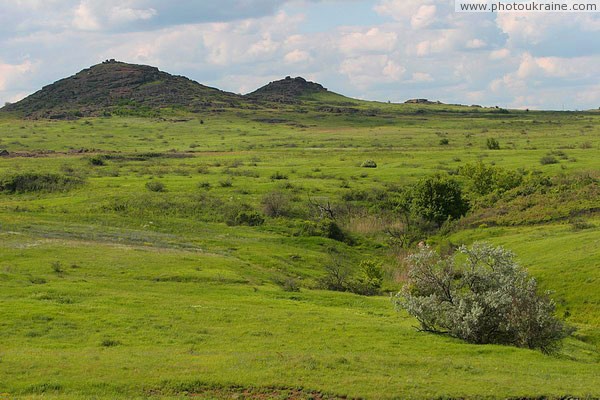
157, 296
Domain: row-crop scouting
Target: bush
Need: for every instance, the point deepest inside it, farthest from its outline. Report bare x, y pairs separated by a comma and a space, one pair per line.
37, 182
97, 161
330, 229
493, 144
485, 179
250, 218
278, 176
437, 199
288, 284
548, 159
109, 343
325, 227
369, 164
486, 297
369, 279
337, 276
226, 183
276, 204
57, 267
444, 142
155, 186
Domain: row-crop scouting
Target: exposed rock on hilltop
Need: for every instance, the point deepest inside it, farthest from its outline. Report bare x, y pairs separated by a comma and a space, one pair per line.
288, 90
421, 101
116, 86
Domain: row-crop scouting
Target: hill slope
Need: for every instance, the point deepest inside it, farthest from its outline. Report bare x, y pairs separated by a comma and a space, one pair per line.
112, 85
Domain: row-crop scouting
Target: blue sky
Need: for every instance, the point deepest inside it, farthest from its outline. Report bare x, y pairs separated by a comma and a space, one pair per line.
388, 50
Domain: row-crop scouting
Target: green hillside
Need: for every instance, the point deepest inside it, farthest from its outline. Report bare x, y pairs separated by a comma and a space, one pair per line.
183, 252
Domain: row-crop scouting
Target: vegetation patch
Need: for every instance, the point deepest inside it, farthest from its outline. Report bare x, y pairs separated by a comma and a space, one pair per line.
487, 298
206, 390
31, 182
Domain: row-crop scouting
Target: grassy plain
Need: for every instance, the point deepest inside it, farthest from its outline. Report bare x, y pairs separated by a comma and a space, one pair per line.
111, 290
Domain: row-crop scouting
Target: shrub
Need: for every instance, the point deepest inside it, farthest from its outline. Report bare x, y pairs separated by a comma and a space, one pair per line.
37, 182
369, 164
109, 343
250, 218
226, 183
579, 224
278, 176
337, 276
288, 284
436, 199
485, 179
57, 267
369, 279
97, 161
326, 227
444, 142
155, 186
548, 159
492, 144
276, 204
483, 297
330, 229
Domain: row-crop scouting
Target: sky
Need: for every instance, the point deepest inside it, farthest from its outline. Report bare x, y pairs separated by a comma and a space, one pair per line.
386, 50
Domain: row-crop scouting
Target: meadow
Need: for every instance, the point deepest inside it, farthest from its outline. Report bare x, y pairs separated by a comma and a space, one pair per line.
182, 255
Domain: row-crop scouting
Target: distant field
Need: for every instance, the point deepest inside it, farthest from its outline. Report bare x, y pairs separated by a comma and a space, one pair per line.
115, 287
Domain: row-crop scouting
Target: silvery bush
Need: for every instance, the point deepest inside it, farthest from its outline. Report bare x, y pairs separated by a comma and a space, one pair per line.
480, 295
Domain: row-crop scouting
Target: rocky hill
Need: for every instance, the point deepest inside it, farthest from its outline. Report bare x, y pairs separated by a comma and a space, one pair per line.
288, 90
114, 86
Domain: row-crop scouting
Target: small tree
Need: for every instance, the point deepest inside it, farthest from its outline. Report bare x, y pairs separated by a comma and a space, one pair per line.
437, 198
369, 279
485, 298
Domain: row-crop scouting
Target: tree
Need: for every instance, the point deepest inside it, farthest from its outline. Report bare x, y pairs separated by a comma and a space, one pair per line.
438, 198
486, 297
369, 279
485, 179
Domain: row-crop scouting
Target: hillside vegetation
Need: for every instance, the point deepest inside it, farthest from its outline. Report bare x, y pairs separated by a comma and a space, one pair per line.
249, 249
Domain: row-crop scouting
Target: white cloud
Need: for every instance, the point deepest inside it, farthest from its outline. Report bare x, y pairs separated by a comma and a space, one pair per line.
499, 54
476, 44
12, 72
120, 15
557, 67
367, 70
373, 40
297, 56
85, 19
421, 77
424, 16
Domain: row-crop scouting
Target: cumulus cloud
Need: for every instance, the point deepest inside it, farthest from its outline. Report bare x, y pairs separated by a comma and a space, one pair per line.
499, 54
424, 17
297, 56
127, 15
421, 77
373, 40
12, 72
369, 69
